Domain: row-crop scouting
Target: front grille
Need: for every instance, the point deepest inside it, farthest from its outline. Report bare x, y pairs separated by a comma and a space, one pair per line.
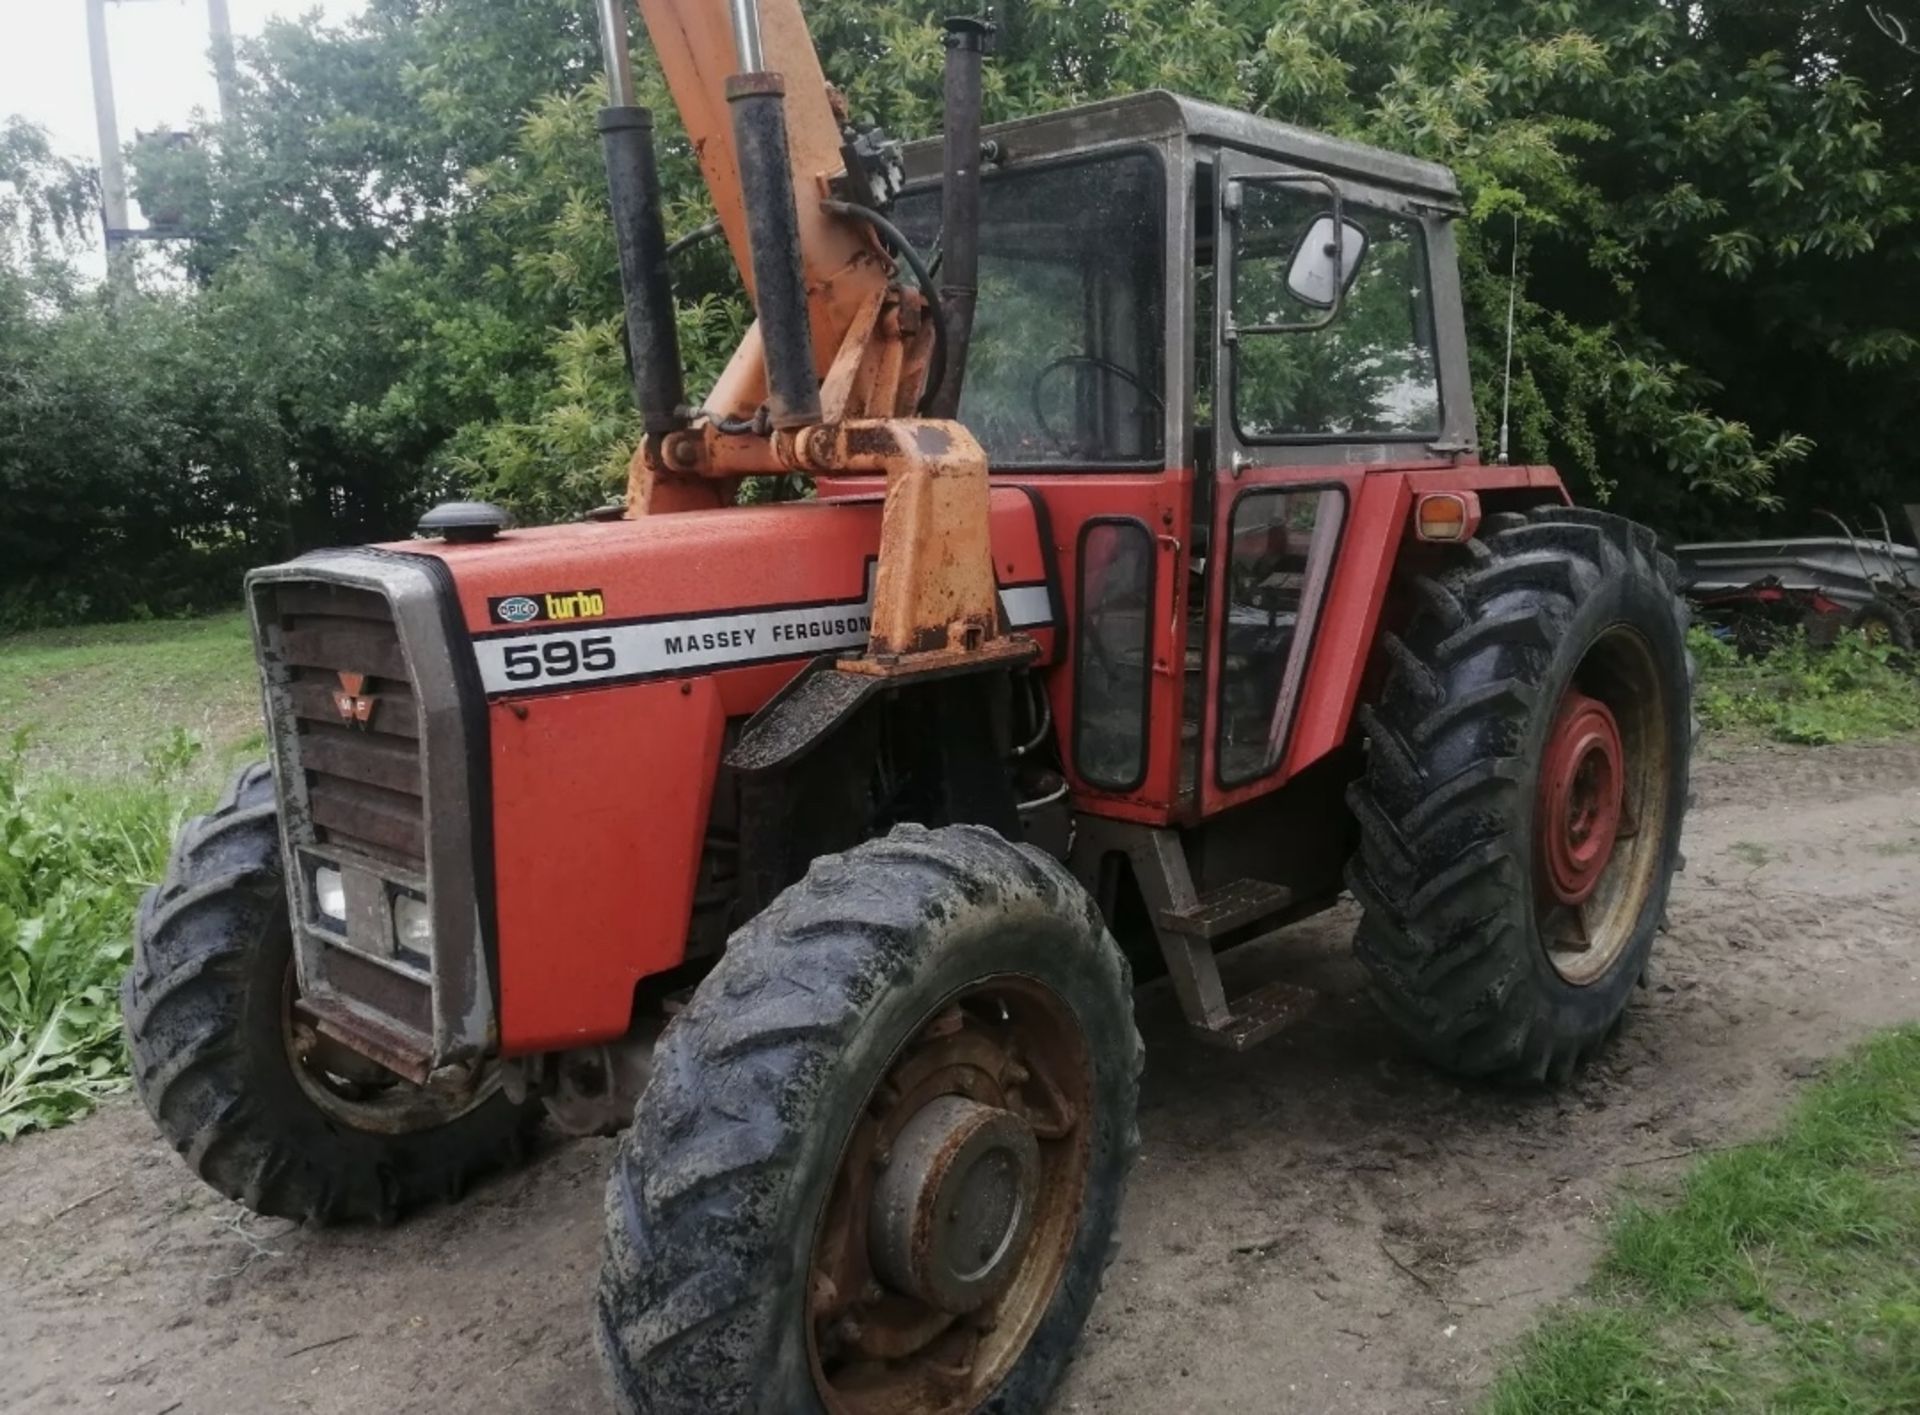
376, 735
363, 778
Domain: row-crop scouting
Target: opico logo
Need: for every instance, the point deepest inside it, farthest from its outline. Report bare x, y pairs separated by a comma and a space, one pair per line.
548, 606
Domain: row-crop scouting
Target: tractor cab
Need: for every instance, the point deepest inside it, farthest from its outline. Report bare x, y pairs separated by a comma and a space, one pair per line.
1110, 309
1230, 322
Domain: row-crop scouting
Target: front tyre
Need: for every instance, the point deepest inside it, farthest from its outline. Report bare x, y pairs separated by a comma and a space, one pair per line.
265, 1112
880, 1160
1526, 782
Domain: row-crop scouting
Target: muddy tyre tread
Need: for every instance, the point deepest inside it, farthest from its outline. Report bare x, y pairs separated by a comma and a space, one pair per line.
682, 1311
1443, 888
201, 1006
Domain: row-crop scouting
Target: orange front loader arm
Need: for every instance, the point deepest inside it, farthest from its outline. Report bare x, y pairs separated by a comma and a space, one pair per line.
833, 374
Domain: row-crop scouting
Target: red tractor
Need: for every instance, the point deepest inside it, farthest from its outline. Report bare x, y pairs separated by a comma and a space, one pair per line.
1153, 593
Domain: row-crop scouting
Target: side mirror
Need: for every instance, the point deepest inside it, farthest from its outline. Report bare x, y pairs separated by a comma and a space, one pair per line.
1326, 261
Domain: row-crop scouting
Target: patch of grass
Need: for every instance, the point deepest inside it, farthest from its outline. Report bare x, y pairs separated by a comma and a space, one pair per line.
1781, 1277
1750, 852
97, 702
74, 857
1597, 1361
1799, 693
116, 732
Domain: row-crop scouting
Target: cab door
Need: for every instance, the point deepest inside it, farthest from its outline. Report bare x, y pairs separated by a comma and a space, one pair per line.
1326, 368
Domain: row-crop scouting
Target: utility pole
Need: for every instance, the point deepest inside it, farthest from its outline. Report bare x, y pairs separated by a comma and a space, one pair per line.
113, 170
220, 29
114, 215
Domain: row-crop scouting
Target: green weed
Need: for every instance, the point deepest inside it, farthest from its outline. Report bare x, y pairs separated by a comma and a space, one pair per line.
1798, 693
74, 857
115, 729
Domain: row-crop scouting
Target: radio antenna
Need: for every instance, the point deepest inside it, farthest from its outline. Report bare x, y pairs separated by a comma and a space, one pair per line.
1506, 392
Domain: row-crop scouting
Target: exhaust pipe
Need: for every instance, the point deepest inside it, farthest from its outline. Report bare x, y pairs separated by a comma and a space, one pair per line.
633, 188
967, 40
757, 97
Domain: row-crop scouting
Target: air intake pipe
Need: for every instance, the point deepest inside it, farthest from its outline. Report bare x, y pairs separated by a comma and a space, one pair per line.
967, 40
633, 187
757, 97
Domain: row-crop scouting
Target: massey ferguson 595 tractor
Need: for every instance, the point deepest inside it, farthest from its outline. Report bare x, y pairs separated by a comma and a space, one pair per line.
1153, 593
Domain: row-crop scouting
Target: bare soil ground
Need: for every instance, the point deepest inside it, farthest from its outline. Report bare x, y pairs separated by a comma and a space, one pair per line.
1323, 1224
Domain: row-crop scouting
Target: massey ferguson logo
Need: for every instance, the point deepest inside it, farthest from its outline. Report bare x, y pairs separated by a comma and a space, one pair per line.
354, 704
547, 607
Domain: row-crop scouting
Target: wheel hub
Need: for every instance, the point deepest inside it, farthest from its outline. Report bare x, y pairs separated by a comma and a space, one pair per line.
1582, 786
952, 1209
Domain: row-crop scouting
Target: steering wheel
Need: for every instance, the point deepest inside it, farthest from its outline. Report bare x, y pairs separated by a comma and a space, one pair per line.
1107, 366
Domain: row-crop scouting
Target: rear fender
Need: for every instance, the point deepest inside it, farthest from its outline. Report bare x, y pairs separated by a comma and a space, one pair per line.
1379, 529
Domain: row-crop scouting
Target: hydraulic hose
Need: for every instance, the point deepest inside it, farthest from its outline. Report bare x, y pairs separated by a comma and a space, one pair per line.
896, 241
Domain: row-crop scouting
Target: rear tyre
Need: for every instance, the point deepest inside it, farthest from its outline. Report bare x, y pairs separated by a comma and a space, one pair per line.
260, 1111
880, 1159
1527, 777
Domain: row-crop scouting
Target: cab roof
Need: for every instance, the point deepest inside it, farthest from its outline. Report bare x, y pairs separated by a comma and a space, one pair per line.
1158, 115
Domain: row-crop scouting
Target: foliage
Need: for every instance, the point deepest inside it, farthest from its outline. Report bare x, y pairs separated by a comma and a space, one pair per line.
1800, 693
98, 773
403, 281
45, 200
1781, 1277
73, 858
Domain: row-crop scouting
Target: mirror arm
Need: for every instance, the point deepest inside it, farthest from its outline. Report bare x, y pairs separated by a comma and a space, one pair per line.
1231, 206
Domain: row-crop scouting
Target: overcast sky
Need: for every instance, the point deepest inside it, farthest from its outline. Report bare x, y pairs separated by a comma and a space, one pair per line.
159, 50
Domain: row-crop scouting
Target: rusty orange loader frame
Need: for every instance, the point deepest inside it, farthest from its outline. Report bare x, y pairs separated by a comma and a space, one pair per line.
1152, 594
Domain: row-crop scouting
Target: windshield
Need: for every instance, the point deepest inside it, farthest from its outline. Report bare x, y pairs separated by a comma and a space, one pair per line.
1065, 363
1372, 371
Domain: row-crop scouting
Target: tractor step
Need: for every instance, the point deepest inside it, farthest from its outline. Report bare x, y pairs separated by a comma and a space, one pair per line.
1227, 910
1257, 1015
1189, 925
1188, 936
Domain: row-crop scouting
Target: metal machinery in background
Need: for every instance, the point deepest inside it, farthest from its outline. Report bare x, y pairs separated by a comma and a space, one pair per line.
1153, 595
1752, 590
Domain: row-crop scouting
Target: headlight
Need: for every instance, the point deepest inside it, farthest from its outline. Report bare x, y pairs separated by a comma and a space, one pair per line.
413, 924
330, 894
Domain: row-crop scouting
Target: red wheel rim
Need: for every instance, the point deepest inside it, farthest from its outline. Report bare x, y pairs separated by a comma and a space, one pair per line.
1582, 787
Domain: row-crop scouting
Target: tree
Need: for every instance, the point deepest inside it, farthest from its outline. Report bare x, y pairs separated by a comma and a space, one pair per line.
403, 278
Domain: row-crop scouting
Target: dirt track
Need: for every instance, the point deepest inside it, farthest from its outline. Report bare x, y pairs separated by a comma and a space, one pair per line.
1323, 1224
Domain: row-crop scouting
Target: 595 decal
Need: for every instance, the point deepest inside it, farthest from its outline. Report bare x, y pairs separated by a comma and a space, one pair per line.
551, 658
553, 655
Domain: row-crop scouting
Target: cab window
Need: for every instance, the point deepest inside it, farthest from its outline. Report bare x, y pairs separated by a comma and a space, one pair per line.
1305, 367
1065, 363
